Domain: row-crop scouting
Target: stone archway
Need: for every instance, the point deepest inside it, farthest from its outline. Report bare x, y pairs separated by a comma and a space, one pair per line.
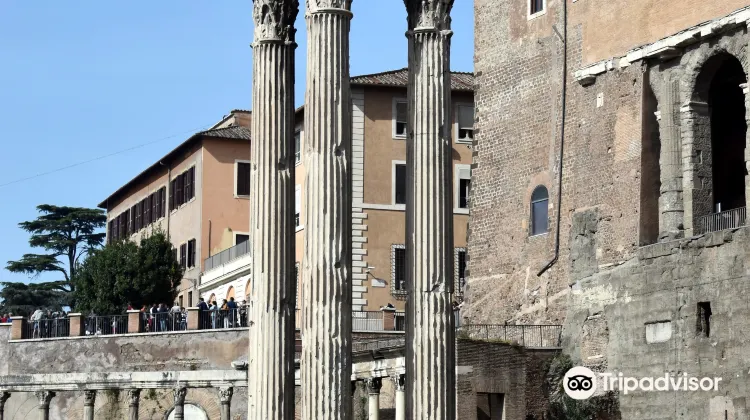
192, 412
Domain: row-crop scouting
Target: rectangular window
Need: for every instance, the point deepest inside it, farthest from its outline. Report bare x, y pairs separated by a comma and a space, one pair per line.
297, 204
154, 206
465, 124
179, 300
129, 221
191, 253
399, 184
189, 184
163, 201
183, 256
536, 6
190, 300
463, 193
243, 179
461, 271
178, 194
172, 187
241, 238
137, 216
297, 147
146, 211
398, 268
400, 118
703, 324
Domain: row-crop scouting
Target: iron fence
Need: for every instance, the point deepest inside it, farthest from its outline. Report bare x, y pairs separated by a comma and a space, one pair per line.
524, 335
47, 328
227, 255
222, 319
729, 219
166, 321
368, 321
106, 325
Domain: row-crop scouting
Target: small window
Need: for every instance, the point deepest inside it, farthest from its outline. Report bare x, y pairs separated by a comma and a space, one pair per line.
183, 256
703, 323
460, 270
297, 147
190, 299
241, 238
399, 184
297, 204
191, 253
400, 118
536, 6
465, 124
243, 179
539, 211
398, 269
463, 193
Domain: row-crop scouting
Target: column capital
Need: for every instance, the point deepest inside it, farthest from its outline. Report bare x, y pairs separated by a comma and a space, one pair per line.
695, 107
134, 397
225, 394
179, 395
329, 6
374, 385
44, 398
274, 20
89, 398
429, 15
400, 381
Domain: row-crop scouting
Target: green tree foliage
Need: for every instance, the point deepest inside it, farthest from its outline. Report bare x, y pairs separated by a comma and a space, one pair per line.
23, 299
66, 234
123, 272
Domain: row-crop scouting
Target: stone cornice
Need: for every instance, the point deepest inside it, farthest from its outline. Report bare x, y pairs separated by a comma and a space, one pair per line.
274, 20
429, 15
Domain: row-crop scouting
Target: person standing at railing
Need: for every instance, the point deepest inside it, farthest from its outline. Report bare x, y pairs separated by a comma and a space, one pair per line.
175, 316
243, 313
224, 313
214, 312
202, 308
36, 318
232, 305
162, 314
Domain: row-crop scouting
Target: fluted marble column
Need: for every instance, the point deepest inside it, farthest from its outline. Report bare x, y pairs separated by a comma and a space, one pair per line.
44, 398
272, 229
373, 398
400, 381
4, 395
134, 400
326, 298
89, 399
225, 397
179, 403
671, 211
430, 345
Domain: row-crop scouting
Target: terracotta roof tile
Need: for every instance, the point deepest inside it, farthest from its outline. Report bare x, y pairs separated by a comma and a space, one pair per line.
400, 78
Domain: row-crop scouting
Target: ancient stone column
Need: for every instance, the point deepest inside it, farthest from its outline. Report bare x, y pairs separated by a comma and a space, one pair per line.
44, 399
225, 397
430, 345
671, 211
746, 91
373, 398
179, 403
400, 381
134, 400
697, 184
89, 399
272, 228
4, 395
325, 366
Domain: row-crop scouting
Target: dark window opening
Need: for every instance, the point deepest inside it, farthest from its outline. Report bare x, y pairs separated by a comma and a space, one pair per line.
539, 211
241, 238
191, 253
401, 117
399, 269
703, 324
464, 186
243, 179
190, 299
490, 406
297, 147
183, 256
400, 196
537, 6
461, 281
728, 135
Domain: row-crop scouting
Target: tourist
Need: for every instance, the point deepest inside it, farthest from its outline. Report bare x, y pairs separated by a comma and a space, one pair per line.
214, 310
162, 314
224, 313
202, 315
183, 319
232, 305
175, 315
36, 317
243, 314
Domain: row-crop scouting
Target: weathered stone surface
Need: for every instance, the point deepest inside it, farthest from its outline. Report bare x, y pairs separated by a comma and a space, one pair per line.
325, 366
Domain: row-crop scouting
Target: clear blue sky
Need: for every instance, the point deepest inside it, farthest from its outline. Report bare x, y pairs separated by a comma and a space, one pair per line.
83, 79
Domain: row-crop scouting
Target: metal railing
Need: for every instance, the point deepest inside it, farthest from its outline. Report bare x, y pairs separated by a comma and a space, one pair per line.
368, 321
106, 325
729, 219
524, 335
226, 255
166, 321
47, 328
218, 319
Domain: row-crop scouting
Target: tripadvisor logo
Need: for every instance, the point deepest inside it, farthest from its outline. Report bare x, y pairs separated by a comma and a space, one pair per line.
581, 383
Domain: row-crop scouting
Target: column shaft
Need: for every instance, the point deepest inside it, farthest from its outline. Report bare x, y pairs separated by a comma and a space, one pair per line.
373, 398
400, 397
671, 209
746, 91
134, 399
272, 230
430, 343
89, 399
326, 298
44, 399
697, 183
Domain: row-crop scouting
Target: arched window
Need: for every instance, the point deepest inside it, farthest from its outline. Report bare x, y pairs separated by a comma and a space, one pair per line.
539, 211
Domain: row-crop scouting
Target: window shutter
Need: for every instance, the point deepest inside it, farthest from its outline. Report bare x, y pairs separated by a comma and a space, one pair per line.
183, 256
243, 178
191, 253
163, 199
463, 172
466, 117
154, 207
400, 184
171, 194
146, 211
190, 189
178, 195
402, 112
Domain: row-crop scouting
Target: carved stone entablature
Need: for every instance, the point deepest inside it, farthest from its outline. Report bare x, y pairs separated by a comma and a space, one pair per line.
274, 19
314, 6
429, 14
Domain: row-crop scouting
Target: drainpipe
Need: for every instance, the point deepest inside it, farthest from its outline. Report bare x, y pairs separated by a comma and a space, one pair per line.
167, 211
209, 237
562, 140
